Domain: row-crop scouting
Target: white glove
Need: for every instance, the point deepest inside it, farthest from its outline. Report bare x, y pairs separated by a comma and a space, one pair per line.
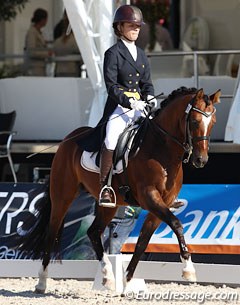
137, 104
152, 101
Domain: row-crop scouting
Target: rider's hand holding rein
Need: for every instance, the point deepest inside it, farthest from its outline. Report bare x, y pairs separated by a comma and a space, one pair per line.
137, 104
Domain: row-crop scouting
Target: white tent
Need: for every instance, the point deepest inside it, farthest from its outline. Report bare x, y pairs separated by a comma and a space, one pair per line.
232, 131
91, 22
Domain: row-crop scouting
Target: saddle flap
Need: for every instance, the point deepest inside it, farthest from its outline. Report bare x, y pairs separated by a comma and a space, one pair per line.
130, 140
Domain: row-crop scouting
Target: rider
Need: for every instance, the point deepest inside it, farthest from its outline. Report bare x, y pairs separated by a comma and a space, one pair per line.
128, 82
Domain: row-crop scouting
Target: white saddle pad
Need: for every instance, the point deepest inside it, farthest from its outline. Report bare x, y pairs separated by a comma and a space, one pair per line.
88, 162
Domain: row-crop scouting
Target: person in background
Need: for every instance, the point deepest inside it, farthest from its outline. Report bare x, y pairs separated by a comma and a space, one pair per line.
163, 40
60, 27
66, 45
36, 50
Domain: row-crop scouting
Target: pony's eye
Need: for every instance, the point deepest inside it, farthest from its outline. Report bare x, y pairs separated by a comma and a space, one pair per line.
194, 123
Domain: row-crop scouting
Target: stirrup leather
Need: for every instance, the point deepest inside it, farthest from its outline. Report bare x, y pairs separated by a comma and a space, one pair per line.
112, 194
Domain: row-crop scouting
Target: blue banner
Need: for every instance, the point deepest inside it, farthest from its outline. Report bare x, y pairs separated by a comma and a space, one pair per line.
210, 218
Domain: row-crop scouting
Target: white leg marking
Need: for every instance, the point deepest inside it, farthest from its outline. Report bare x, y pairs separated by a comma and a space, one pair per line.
133, 286
108, 276
42, 280
189, 273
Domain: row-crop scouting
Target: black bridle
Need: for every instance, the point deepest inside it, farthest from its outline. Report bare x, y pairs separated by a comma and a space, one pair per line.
187, 144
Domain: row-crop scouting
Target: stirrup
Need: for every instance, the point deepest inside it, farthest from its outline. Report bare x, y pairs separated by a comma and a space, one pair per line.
108, 204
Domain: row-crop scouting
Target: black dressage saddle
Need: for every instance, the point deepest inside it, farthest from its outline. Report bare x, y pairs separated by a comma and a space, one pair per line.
130, 140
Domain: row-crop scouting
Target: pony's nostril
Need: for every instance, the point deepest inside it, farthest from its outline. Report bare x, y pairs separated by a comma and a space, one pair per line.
202, 161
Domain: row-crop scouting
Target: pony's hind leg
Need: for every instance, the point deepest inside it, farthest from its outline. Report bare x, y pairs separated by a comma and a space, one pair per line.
54, 234
42, 280
149, 226
103, 218
62, 195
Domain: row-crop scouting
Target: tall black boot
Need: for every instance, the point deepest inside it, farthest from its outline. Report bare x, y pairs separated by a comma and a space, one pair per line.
106, 161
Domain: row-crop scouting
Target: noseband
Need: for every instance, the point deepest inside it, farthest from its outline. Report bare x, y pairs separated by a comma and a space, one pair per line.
187, 145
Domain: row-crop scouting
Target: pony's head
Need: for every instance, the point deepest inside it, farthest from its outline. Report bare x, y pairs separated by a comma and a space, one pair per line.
186, 118
200, 118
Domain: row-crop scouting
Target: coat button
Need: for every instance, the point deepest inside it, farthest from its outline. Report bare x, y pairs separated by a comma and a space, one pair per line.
137, 74
130, 82
136, 83
134, 90
129, 90
130, 75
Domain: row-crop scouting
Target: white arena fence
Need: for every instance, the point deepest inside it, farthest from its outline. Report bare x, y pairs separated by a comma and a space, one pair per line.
151, 271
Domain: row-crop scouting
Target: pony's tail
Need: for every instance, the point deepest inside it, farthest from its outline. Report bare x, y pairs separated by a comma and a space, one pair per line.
32, 235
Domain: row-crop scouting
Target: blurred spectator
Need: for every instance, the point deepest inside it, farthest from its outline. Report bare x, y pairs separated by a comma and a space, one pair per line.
60, 27
66, 45
36, 48
163, 40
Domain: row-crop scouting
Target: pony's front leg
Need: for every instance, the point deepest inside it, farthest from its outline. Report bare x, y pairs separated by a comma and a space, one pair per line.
188, 273
163, 213
104, 216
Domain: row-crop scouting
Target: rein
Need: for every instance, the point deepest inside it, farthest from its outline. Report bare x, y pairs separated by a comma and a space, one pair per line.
187, 145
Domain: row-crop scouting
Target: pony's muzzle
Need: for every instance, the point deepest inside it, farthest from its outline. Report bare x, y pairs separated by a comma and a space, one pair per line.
200, 161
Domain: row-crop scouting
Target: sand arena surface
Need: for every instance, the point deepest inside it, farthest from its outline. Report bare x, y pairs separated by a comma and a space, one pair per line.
74, 292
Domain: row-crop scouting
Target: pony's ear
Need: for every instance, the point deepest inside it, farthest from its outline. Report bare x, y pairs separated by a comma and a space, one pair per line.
215, 97
199, 94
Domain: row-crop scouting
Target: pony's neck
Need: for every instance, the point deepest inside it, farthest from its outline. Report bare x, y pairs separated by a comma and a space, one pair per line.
172, 117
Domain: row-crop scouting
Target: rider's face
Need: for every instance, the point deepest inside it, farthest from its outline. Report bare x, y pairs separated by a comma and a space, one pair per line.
130, 30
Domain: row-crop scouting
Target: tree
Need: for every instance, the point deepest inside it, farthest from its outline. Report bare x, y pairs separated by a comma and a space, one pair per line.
10, 8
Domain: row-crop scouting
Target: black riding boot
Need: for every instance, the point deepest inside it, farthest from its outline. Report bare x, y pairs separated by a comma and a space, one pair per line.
106, 160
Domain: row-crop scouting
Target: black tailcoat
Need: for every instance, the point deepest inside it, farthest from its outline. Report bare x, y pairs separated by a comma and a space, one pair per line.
123, 77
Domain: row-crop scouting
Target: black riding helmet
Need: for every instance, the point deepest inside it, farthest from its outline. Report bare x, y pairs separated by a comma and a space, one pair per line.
127, 13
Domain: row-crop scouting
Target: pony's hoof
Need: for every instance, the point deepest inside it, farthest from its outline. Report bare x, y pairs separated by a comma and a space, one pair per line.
109, 283
189, 276
39, 290
134, 287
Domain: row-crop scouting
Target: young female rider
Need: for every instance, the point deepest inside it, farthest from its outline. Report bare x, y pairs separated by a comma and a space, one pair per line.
127, 78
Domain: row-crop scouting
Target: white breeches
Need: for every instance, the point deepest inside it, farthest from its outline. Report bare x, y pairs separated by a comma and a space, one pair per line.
118, 121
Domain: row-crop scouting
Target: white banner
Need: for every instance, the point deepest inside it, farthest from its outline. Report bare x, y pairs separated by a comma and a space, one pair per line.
232, 131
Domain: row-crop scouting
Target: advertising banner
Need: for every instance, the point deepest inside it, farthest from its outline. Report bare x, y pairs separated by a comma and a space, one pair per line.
17, 203
210, 218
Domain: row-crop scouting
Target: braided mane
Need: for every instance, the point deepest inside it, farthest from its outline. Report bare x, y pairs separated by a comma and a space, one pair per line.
178, 92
